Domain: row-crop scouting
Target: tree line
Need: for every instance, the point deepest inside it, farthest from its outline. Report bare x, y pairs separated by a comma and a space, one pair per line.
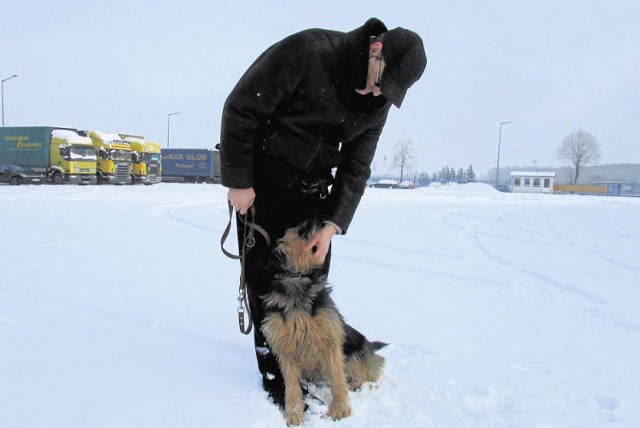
451, 174
579, 149
404, 157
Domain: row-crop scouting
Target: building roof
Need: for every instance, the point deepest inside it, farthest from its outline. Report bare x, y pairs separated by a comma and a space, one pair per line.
533, 174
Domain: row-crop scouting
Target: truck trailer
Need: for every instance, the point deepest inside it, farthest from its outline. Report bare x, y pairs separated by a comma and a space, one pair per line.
61, 154
190, 166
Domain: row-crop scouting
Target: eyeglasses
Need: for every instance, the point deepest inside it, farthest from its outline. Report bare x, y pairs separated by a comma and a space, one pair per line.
378, 81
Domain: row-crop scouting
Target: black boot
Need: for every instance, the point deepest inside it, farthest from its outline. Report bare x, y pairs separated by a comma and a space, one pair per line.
275, 388
272, 380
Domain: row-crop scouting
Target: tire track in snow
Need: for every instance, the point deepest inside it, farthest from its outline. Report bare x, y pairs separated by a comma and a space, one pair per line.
558, 292
172, 211
623, 232
418, 269
396, 249
412, 260
91, 312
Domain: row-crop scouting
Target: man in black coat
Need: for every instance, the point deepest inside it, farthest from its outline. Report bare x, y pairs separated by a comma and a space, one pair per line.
299, 132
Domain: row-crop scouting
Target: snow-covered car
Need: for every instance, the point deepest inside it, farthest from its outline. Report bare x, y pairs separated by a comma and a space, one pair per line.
386, 184
407, 184
503, 187
16, 174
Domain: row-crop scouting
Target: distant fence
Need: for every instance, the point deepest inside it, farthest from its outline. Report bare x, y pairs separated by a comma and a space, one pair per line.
607, 189
625, 189
581, 189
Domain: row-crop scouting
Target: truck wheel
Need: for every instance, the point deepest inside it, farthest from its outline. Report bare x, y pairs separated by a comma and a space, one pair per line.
15, 180
57, 178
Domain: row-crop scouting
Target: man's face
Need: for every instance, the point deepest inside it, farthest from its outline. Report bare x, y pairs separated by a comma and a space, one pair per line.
374, 72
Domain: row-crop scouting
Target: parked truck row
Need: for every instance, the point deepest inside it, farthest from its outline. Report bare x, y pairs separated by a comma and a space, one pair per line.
67, 155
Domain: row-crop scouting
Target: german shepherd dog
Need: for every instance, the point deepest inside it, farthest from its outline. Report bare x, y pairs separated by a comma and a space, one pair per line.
306, 332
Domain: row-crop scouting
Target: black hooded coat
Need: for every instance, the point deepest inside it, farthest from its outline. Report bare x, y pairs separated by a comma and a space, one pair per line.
295, 114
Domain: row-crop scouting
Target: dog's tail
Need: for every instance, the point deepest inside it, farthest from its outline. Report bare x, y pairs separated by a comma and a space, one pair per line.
378, 345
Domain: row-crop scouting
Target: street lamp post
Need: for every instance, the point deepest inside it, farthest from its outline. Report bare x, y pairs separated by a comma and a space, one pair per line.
2, 90
498, 162
169, 124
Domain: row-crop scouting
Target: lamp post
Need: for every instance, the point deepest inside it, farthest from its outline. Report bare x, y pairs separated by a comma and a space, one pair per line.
498, 162
2, 90
169, 123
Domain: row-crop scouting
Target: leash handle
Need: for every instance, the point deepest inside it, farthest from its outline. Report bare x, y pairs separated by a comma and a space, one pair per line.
249, 239
225, 235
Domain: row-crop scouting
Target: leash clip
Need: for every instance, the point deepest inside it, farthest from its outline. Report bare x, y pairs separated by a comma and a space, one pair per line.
241, 301
250, 240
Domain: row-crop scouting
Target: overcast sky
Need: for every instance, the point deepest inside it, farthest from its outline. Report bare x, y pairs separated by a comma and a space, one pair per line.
551, 67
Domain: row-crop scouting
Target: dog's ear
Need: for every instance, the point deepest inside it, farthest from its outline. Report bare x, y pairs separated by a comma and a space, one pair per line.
308, 228
279, 258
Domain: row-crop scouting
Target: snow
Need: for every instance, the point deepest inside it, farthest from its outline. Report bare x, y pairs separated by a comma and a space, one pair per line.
108, 137
63, 133
533, 173
134, 140
118, 309
70, 136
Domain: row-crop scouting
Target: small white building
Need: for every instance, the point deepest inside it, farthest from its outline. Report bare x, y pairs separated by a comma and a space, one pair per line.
532, 181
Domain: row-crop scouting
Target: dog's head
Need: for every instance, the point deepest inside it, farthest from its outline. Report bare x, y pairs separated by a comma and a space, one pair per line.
291, 254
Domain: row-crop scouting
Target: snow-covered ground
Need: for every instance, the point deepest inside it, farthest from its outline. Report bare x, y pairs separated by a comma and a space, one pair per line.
117, 309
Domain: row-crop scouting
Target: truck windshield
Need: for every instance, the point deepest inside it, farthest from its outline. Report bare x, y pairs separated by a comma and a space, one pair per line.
78, 153
151, 157
121, 155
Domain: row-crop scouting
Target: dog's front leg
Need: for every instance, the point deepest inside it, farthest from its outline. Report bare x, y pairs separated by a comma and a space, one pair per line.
340, 407
293, 401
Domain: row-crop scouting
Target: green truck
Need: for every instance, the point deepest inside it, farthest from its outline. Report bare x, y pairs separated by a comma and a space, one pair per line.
60, 153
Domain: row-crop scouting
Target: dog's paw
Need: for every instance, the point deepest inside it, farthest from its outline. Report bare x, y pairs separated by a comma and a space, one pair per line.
354, 386
339, 411
294, 416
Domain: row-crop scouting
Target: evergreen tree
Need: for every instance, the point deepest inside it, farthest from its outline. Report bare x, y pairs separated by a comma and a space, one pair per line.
443, 174
471, 175
448, 173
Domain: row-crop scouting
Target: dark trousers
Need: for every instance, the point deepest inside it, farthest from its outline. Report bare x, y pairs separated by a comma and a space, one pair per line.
277, 210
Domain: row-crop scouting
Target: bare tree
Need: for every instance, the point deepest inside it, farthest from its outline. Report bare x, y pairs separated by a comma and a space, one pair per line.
579, 149
404, 156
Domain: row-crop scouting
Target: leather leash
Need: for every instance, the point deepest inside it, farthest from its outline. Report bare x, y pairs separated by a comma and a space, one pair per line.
248, 241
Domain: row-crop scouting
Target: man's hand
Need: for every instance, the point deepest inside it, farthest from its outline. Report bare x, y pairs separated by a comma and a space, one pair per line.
241, 199
321, 242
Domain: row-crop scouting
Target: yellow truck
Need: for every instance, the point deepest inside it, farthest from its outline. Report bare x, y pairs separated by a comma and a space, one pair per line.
60, 154
113, 157
145, 158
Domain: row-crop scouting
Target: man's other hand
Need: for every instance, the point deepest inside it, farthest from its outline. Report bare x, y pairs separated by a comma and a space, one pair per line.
241, 199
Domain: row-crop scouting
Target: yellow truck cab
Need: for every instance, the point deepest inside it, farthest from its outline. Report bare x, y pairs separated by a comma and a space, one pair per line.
145, 158
72, 158
114, 157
